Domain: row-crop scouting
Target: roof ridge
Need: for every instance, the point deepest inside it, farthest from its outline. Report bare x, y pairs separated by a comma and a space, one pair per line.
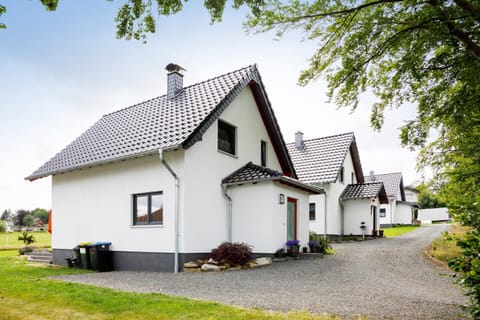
384, 174
331, 136
184, 88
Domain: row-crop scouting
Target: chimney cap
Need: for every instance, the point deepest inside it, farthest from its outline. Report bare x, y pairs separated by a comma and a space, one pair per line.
172, 67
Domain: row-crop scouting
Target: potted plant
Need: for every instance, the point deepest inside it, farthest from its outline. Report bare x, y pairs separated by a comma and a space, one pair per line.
374, 232
280, 253
313, 246
292, 246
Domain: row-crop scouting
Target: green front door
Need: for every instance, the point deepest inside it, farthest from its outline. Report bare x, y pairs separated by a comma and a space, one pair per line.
291, 219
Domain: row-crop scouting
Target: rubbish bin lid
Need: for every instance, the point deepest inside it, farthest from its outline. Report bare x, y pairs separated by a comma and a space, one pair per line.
103, 243
85, 244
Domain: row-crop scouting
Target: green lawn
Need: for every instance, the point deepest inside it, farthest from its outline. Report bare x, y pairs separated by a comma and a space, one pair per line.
9, 241
26, 293
398, 231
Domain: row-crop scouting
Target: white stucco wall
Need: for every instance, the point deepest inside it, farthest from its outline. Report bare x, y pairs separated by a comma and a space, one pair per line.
357, 211
318, 225
411, 196
403, 214
262, 221
205, 167
391, 209
333, 191
96, 205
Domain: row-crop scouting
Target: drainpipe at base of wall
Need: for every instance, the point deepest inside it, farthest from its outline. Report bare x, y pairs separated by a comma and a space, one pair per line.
177, 212
342, 215
229, 213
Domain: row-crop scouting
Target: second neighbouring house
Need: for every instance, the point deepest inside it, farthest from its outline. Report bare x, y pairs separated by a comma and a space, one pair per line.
398, 210
333, 164
169, 179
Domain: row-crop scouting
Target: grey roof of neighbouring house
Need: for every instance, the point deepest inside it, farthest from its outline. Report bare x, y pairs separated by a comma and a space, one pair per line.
365, 191
393, 183
321, 159
251, 173
166, 123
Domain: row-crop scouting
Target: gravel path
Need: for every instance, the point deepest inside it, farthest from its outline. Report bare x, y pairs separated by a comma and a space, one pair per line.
381, 279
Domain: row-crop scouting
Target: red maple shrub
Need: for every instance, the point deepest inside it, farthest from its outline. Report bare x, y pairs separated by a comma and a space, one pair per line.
232, 253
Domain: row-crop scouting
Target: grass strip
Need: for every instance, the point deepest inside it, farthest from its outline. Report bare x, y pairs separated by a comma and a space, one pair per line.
26, 293
398, 230
9, 240
444, 248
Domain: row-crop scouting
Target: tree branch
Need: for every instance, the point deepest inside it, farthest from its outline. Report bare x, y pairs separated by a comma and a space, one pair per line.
346, 11
469, 8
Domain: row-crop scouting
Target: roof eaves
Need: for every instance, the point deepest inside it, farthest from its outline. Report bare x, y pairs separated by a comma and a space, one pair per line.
34, 177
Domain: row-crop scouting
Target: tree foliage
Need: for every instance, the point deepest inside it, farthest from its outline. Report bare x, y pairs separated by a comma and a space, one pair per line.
28, 220
6, 215
19, 216
136, 18
429, 197
41, 214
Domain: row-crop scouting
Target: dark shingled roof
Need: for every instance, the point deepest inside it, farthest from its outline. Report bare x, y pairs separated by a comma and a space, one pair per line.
251, 173
166, 123
393, 183
321, 159
364, 191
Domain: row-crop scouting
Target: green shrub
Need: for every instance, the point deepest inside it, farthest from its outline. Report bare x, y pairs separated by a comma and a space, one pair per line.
27, 238
3, 226
232, 253
323, 243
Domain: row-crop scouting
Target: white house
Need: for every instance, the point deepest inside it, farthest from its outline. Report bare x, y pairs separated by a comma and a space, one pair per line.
398, 210
333, 164
169, 179
411, 194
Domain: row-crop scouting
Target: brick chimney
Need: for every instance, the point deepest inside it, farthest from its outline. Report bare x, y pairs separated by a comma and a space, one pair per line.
174, 79
299, 140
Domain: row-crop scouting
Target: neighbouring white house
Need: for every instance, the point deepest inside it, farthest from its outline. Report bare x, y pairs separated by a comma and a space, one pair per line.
398, 210
169, 179
411, 194
433, 215
333, 164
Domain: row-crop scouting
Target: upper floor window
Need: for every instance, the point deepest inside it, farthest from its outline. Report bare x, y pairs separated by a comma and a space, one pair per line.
341, 178
312, 211
227, 138
353, 178
263, 153
148, 208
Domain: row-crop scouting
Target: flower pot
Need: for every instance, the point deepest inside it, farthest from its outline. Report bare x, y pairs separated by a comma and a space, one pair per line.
304, 249
293, 251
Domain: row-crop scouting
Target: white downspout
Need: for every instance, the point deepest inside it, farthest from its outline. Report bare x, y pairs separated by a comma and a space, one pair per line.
177, 212
229, 213
324, 210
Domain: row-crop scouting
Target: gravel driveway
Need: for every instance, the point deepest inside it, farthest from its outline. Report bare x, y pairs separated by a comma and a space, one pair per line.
381, 279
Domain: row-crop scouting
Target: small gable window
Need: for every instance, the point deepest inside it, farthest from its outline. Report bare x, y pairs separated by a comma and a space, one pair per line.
263, 153
341, 178
227, 138
383, 212
312, 211
148, 208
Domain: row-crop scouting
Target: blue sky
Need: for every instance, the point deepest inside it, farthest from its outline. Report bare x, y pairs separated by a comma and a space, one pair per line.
61, 71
